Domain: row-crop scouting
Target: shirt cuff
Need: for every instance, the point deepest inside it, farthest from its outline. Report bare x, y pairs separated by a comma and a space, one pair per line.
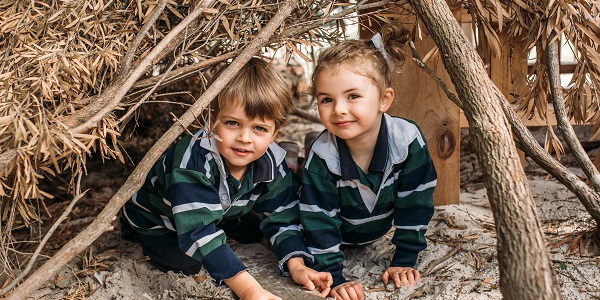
292, 246
222, 264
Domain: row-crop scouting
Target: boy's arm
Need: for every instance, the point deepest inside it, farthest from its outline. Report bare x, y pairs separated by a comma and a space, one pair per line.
196, 210
319, 215
413, 207
281, 225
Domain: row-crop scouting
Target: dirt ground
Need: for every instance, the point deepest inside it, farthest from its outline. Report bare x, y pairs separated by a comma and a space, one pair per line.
460, 261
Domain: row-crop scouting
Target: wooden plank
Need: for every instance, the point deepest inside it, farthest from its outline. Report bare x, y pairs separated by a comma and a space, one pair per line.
419, 98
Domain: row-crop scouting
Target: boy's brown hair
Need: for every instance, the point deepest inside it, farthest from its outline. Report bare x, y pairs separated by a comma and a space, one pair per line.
260, 89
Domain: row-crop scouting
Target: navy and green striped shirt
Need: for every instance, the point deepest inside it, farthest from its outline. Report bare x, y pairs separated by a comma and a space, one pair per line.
186, 193
340, 205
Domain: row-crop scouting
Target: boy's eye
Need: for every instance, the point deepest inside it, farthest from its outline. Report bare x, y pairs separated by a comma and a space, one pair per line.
353, 96
260, 128
231, 123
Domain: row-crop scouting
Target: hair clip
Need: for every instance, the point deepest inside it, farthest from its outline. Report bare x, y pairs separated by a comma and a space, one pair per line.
377, 43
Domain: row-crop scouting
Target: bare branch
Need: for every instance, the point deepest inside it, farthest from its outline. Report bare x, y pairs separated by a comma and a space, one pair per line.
558, 101
128, 58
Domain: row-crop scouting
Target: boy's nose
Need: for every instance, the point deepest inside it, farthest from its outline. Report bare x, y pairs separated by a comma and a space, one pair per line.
244, 136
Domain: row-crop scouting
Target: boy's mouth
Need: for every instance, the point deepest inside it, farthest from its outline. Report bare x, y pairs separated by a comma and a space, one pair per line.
241, 152
343, 123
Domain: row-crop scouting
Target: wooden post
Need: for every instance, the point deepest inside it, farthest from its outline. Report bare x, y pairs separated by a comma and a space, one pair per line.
419, 98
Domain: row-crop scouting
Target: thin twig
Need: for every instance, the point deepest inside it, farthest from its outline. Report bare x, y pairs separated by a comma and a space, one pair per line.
417, 59
128, 58
42, 244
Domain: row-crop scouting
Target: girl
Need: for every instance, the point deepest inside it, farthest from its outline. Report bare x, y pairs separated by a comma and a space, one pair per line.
367, 171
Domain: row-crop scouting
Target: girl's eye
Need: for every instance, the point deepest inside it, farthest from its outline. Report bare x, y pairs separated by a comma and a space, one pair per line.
326, 100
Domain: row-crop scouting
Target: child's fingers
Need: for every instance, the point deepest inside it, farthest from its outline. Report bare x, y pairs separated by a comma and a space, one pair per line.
325, 292
417, 275
385, 277
411, 279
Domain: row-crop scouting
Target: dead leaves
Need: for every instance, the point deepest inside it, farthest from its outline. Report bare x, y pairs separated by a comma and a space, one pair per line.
580, 243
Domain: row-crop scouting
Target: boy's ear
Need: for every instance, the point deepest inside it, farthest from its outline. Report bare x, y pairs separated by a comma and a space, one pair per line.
387, 99
274, 135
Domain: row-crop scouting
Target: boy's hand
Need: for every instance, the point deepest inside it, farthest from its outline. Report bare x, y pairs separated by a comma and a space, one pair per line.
308, 277
348, 291
405, 276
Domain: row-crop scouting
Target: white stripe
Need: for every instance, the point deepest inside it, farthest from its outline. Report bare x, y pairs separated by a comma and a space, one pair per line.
207, 165
360, 244
284, 229
195, 205
134, 199
420, 188
188, 151
167, 202
168, 223
291, 205
415, 227
203, 241
346, 183
315, 208
153, 180
333, 249
367, 220
241, 203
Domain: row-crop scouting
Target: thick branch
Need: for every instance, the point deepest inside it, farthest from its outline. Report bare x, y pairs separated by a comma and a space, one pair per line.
558, 101
135, 180
525, 266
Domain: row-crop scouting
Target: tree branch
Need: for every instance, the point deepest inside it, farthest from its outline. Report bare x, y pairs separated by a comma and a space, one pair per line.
128, 58
135, 180
558, 101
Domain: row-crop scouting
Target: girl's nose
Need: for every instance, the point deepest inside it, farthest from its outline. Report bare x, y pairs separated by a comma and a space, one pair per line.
340, 108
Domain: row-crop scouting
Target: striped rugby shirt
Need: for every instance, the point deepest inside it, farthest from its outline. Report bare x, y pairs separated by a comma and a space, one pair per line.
338, 208
186, 193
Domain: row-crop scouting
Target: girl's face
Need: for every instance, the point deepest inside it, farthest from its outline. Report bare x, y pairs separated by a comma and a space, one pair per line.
350, 105
243, 140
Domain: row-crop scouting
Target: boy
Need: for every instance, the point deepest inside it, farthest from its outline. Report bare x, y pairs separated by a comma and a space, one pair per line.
215, 185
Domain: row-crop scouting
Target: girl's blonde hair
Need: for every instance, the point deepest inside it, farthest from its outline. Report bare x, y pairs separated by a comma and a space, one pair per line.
364, 58
260, 89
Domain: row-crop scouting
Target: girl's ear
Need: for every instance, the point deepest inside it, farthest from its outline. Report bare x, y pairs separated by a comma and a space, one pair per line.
387, 99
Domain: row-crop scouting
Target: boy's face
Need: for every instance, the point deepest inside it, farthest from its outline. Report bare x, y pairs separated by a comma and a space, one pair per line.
350, 105
243, 140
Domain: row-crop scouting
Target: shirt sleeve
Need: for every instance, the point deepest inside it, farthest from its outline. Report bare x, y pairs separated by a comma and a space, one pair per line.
281, 226
413, 206
319, 214
196, 211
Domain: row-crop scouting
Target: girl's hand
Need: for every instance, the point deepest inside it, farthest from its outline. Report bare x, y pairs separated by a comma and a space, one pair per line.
348, 291
405, 276
310, 278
